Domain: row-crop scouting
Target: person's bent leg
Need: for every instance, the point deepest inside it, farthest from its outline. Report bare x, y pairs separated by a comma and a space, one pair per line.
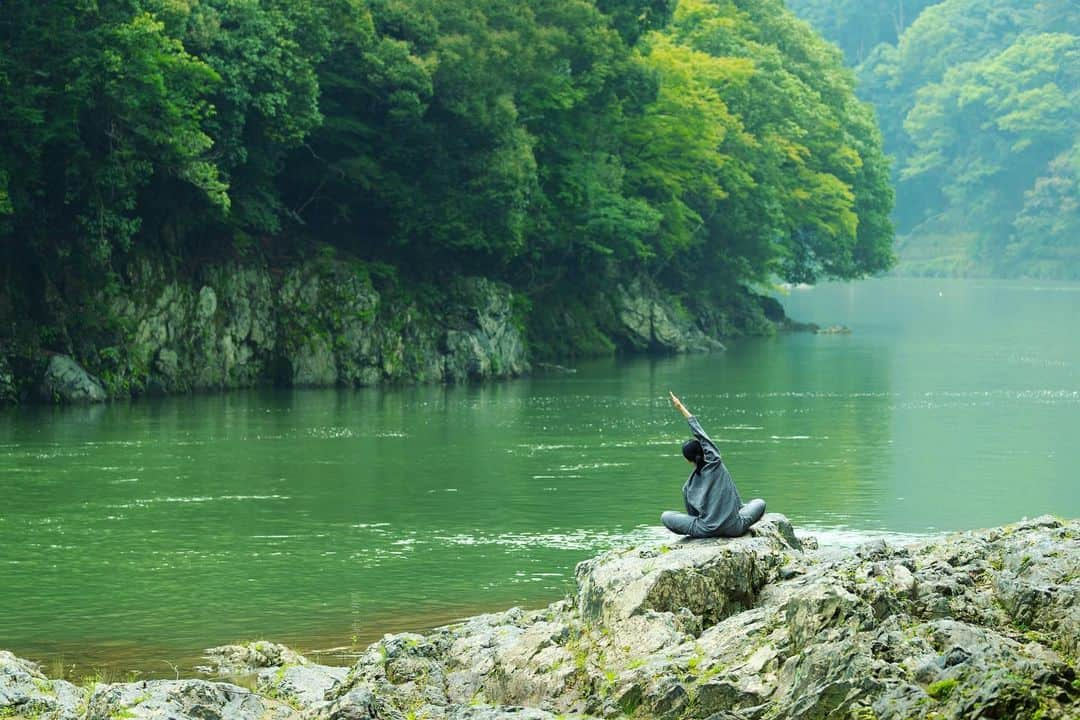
751, 512
677, 522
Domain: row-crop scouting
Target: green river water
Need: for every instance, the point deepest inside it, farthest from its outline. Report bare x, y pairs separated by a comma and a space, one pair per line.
136, 534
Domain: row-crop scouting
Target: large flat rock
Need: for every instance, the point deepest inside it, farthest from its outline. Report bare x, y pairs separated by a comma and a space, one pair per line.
712, 578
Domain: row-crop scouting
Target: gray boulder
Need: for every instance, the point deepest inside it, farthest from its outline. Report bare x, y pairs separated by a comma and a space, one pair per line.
249, 658
1039, 581
280, 673
184, 700
66, 381
712, 578
304, 686
25, 691
361, 701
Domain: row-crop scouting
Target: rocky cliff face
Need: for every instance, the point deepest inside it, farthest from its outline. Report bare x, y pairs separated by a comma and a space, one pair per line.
976, 625
323, 323
320, 323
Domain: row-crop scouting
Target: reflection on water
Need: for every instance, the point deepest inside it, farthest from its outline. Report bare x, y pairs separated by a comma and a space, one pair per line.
137, 532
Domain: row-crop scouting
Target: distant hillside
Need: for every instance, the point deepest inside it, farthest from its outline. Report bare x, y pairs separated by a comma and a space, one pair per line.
977, 102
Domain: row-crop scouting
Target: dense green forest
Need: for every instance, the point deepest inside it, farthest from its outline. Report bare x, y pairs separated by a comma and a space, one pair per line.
556, 145
977, 101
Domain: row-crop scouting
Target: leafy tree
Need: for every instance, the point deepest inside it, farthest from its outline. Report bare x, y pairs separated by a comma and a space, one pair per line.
801, 163
266, 53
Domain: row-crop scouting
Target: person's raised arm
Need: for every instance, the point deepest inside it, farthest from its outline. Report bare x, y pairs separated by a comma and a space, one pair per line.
712, 453
678, 405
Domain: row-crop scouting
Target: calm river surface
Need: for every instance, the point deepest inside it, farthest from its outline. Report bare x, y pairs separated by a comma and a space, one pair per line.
138, 533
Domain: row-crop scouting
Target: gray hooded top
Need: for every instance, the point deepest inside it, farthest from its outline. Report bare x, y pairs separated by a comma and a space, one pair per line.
710, 492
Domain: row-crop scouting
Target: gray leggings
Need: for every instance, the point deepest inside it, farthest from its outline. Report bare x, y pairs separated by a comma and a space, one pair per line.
749, 514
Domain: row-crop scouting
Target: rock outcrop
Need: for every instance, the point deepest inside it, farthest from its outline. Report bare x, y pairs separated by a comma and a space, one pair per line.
184, 700
318, 323
321, 324
24, 690
649, 320
980, 624
334, 321
66, 381
250, 658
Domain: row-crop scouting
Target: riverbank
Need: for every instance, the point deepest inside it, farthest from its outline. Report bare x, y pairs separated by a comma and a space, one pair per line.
976, 624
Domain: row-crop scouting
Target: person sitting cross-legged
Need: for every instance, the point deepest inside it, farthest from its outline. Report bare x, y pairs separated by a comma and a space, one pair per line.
713, 505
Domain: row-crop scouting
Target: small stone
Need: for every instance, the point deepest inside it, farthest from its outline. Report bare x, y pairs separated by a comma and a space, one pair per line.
66, 381
903, 581
789, 571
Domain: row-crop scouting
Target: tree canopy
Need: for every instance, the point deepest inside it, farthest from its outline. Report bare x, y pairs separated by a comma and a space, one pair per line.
554, 144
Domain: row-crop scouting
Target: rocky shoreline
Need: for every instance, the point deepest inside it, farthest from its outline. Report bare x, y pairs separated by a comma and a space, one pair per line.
980, 624
327, 321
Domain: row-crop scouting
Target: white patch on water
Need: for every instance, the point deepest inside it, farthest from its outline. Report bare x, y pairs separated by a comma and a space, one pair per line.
544, 447
145, 502
591, 466
843, 538
579, 539
331, 433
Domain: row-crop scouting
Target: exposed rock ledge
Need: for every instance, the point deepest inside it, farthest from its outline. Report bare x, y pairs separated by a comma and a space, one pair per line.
981, 624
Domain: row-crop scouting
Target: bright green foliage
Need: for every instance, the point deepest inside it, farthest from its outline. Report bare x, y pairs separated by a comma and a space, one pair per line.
793, 172
977, 100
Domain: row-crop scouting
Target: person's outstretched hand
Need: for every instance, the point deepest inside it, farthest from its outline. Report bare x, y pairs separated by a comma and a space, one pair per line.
678, 404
